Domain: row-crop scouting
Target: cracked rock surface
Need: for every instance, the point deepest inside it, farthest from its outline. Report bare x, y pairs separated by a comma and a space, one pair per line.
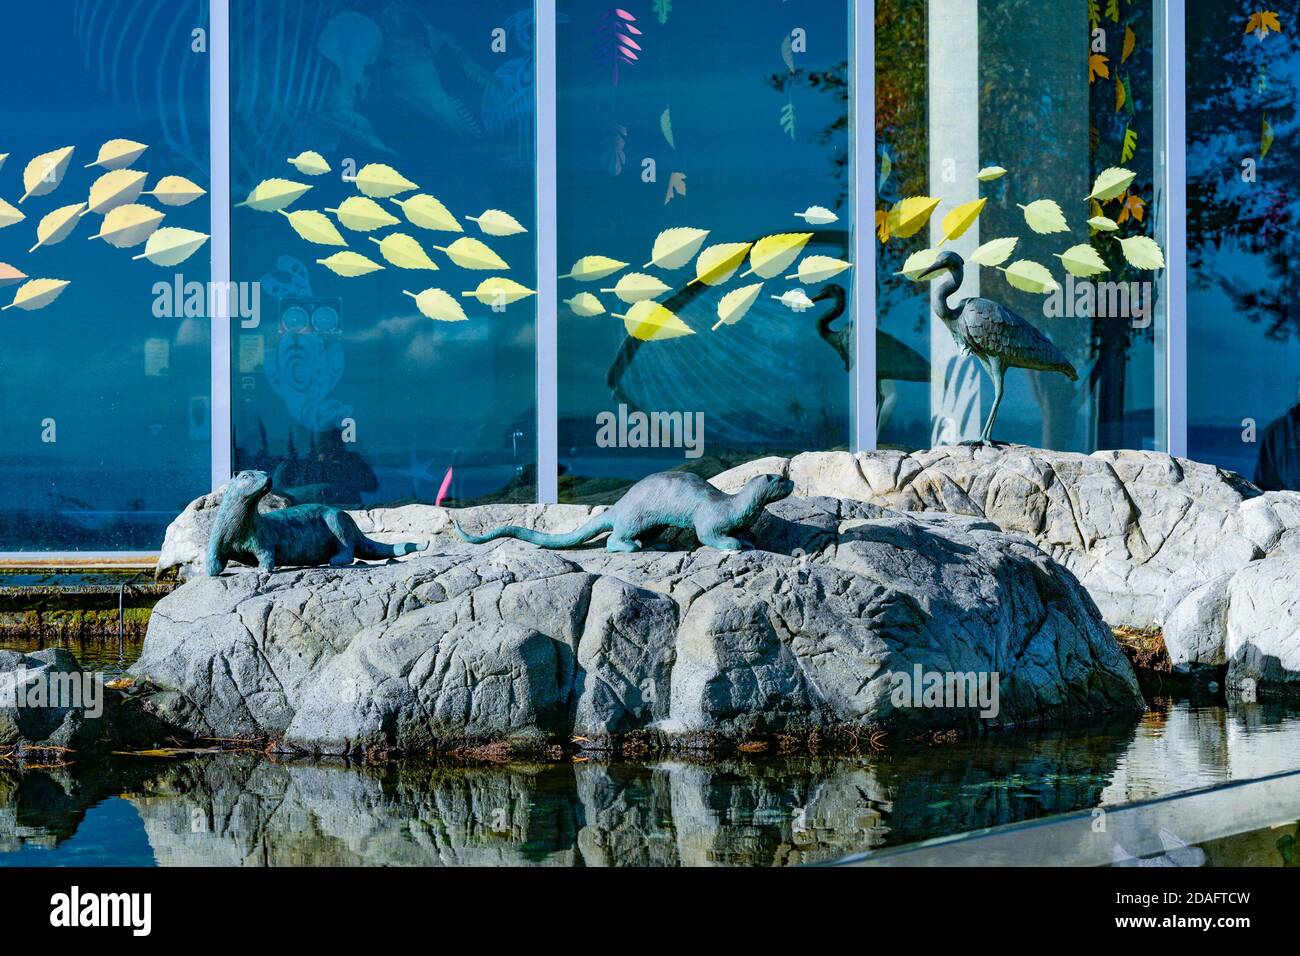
1129, 524
510, 642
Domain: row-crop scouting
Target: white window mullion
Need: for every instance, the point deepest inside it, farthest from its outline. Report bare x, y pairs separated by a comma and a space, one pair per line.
862, 144
547, 272
219, 193
1176, 225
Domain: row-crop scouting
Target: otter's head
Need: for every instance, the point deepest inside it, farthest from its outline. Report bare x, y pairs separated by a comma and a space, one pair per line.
248, 486
770, 488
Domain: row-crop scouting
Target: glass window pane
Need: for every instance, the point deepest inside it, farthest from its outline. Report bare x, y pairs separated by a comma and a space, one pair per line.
104, 389
344, 388
685, 128
964, 87
1243, 295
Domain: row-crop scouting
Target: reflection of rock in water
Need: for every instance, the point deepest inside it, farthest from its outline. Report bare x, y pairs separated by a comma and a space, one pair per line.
242, 809
246, 811
46, 807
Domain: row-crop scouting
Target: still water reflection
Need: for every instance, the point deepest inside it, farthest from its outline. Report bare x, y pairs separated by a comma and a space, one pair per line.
247, 810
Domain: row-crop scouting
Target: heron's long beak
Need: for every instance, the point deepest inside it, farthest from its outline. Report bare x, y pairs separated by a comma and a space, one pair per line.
931, 274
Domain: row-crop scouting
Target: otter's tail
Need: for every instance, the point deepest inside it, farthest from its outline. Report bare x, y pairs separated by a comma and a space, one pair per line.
597, 525
377, 550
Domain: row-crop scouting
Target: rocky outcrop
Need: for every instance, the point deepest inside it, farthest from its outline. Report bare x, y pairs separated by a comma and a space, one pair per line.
1131, 526
510, 642
1126, 523
46, 700
1243, 621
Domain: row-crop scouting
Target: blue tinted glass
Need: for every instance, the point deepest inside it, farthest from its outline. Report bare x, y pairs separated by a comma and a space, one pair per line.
420, 116
1243, 296
104, 391
728, 118
974, 104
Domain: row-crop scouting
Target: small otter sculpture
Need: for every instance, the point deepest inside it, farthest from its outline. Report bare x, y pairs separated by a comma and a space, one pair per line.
670, 499
302, 535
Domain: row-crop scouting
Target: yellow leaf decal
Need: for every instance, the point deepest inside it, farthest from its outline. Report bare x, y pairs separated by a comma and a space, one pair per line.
918, 263
1121, 94
591, 268
1102, 224
3, 157
176, 191
1265, 138
497, 291
363, 215
650, 321
310, 163
380, 181
637, 287
814, 269
994, 252
9, 275
37, 294
428, 213
439, 305
118, 154
469, 253
910, 215
128, 226
718, 263
961, 218
772, 255
1082, 261
315, 227
990, 173
496, 222
171, 246
9, 214
1044, 216
1142, 252
676, 247
349, 264
404, 252
734, 305
1110, 183
272, 195
585, 304
57, 225
1030, 277
44, 173
818, 216
115, 188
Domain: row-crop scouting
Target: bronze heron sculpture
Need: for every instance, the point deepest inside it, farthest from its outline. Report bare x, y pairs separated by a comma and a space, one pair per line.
994, 334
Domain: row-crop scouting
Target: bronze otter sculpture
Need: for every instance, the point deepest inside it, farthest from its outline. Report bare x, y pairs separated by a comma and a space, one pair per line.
301, 535
669, 499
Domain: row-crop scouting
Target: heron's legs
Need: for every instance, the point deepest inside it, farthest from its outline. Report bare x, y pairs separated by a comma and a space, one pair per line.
998, 372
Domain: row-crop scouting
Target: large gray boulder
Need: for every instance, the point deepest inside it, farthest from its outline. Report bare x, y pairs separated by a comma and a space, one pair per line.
1124, 522
1138, 529
47, 700
469, 645
1244, 619
1247, 621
